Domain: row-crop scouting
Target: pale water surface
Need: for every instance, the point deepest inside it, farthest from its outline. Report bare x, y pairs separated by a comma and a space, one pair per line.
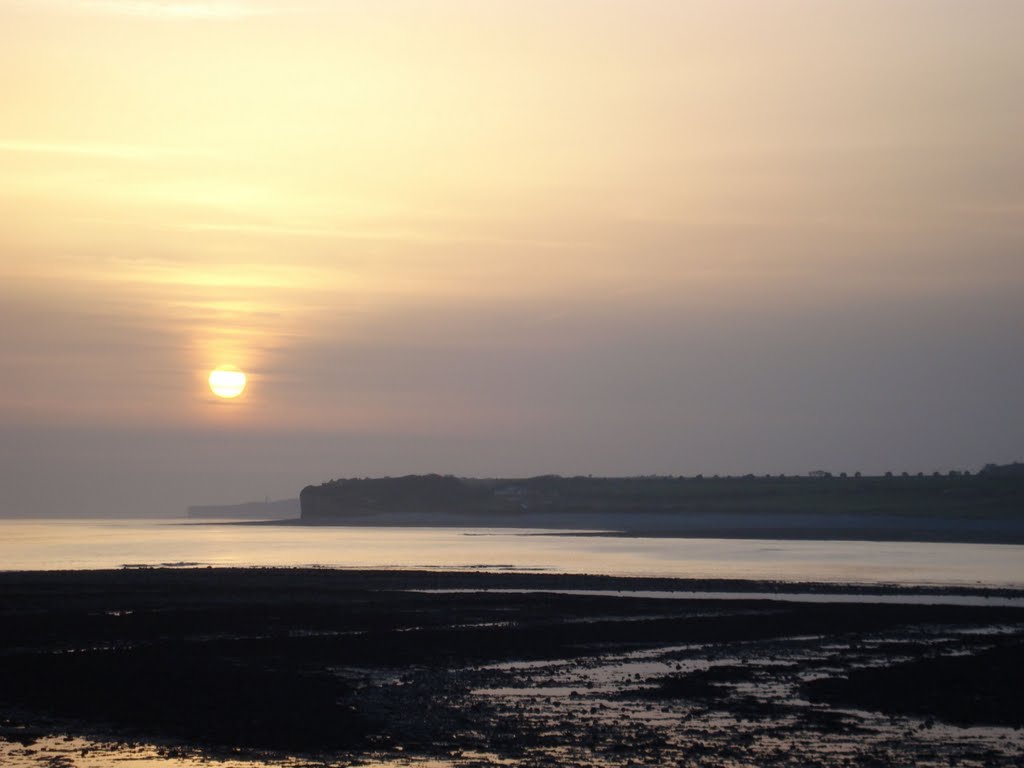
91, 544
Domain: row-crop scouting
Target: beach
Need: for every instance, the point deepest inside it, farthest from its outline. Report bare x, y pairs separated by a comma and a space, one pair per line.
401, 667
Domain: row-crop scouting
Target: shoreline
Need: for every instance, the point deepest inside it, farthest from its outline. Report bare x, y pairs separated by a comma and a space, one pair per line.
479, 579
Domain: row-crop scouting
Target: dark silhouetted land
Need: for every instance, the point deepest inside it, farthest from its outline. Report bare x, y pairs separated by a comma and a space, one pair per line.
983, 507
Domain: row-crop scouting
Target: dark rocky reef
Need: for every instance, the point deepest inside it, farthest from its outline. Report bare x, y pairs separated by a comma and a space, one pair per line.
349, 667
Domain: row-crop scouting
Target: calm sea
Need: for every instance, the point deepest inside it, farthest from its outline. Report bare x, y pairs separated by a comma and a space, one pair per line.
88, 544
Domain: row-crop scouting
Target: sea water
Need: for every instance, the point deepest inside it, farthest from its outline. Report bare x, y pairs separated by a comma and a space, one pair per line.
91, 544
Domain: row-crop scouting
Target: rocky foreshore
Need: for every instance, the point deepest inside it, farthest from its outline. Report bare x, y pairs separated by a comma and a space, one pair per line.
340, 666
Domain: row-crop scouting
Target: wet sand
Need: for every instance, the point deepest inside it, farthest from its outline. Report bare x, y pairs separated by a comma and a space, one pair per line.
346, 666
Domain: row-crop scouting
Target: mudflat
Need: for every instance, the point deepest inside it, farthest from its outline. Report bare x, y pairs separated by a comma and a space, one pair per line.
339, 666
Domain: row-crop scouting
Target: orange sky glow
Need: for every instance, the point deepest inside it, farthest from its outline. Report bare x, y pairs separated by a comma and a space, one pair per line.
700, 227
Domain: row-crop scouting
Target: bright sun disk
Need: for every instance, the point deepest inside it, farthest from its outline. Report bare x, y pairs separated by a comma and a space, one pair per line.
227, 381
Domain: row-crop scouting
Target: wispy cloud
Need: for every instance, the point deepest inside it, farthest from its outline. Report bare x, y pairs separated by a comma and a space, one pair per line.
111, 151
174, 9
402, 235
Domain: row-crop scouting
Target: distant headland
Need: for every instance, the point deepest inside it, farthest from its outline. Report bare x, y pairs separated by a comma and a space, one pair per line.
986, 506
249, 510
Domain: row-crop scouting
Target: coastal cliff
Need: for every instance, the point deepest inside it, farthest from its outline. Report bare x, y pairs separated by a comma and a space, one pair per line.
666, 503
415, 494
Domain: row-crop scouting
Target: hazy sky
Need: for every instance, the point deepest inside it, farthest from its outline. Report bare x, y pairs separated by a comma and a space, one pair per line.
503, 237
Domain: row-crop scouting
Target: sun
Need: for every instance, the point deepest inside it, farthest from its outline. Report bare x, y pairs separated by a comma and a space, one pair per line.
227, 381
